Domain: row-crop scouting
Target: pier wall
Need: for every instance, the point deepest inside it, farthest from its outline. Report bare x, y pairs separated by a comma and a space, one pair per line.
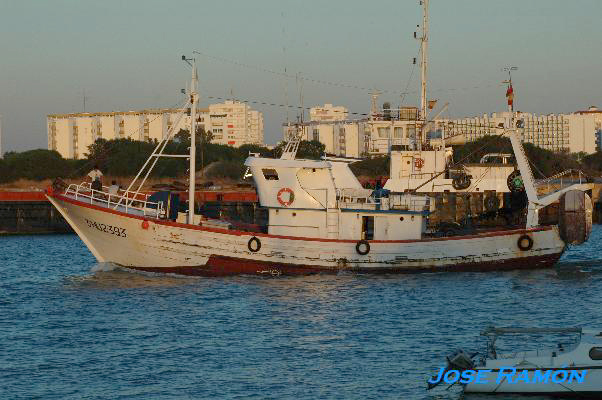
29, 212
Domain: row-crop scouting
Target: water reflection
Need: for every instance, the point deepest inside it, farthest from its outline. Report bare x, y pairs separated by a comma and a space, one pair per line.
111, 276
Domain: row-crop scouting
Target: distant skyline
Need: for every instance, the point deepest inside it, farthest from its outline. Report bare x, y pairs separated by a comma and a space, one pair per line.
127, 56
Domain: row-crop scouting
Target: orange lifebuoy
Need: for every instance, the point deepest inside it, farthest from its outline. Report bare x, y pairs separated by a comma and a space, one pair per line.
145, 224
419, 163
291, 197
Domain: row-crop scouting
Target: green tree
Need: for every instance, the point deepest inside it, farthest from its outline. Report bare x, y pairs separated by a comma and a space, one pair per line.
98, 151
310, 150
372, 167
6, 173
37, 164
545, 162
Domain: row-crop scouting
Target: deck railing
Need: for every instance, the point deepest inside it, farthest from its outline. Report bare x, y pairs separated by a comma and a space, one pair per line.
562, 180
128, 201
364, 199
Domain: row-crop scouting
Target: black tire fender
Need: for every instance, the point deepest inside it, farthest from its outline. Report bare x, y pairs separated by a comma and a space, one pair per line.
492, 203
254, 244
359, 245
525, 242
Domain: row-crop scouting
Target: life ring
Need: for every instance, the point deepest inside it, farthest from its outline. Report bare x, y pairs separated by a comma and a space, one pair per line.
359, 245
145, 224
291, 197
525, 243
418, 163
256, 247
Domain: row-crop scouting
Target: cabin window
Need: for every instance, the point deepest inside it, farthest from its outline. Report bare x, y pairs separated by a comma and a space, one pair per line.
270, 174
368, 228
595, 353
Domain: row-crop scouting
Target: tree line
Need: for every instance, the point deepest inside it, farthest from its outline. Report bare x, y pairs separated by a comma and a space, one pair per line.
124, 157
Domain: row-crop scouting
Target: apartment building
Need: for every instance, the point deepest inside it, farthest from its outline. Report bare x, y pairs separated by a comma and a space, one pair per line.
594, 114
328, 112
573, 133
357, 138
231, 123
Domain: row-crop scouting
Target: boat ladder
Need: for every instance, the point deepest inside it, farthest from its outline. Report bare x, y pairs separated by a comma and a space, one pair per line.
332, 223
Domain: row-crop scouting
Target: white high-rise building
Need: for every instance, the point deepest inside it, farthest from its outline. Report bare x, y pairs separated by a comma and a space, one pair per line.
357, 138
573, 133
231, 123
328, 112
594, 114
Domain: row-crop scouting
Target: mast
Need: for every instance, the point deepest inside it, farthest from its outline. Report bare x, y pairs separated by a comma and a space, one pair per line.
423, 61
193, 102
423, 72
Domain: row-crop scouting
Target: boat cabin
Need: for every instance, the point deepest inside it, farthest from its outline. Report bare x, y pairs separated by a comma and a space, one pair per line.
324, 199
412, 168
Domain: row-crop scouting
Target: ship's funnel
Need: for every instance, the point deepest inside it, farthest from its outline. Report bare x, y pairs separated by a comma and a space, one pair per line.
575, 217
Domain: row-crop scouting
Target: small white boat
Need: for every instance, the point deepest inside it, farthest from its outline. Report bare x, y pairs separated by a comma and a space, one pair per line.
574, 369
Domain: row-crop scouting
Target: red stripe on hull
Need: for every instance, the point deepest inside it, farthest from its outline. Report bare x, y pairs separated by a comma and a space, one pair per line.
228, 266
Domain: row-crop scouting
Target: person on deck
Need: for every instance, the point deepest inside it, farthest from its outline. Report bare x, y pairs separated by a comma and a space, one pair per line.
114, 188
95, 178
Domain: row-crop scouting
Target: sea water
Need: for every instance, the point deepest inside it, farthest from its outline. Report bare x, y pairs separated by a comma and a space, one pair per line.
71, 328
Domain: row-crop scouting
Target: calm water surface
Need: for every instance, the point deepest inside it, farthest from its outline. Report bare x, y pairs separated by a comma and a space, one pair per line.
71, 328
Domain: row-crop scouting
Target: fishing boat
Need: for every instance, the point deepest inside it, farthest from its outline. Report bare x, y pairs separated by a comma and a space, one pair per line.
320, 220
573, 369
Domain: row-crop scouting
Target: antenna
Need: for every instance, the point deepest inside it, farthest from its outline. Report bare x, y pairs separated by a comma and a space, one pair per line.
84, 98
300, 82
284, 80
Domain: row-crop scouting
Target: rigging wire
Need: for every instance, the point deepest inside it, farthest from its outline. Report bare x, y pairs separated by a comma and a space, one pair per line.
408, 83
288, 75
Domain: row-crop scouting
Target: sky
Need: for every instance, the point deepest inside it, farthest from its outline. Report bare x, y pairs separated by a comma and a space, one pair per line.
126, 55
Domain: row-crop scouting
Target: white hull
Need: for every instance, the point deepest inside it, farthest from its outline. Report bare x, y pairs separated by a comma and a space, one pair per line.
165, 246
